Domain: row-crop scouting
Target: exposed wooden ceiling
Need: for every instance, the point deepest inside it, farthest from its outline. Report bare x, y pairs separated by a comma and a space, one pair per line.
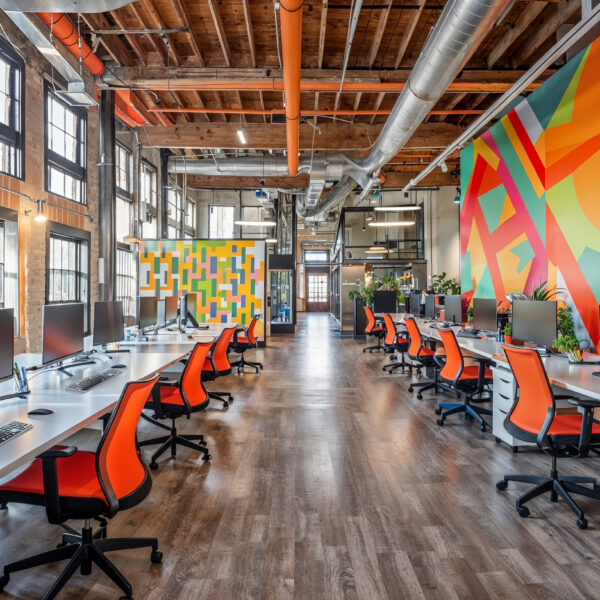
226, 68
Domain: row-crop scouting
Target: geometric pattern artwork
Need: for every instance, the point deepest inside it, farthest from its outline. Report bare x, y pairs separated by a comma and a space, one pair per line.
530, 204
228, 275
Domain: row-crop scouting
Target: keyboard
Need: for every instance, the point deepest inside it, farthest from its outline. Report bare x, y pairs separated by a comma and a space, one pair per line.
87, 383
12, 429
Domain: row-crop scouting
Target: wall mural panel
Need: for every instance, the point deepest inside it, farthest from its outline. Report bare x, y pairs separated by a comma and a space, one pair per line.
530, 209
229, 275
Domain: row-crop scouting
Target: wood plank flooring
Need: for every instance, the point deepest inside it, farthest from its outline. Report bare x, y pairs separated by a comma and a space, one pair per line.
330, 481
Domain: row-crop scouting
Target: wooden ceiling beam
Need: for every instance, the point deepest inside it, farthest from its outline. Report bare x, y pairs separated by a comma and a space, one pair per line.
322, 32
160, 24
553, 18
408, 32
525, 19
201, 103
114, 46
248, 18
216, 15
158, 46
334, 135
376, 106
381, 24
131, 39
184, 17
148, 103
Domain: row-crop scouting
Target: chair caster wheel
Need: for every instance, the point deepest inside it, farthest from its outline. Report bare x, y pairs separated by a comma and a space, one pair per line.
501, 485
261, 367
156, 557
203, 443
61, 545
582, 523
420, 396
153, 466
3, 581
440, 422
523, 511
410, 388
483, 428
438, 411
497, 440
225, 404
230, 399
207, 457
515, 449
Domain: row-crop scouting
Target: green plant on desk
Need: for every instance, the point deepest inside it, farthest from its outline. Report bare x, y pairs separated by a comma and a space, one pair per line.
564, 322
568, 344
507, 331
365, 293
470, 315
442, 284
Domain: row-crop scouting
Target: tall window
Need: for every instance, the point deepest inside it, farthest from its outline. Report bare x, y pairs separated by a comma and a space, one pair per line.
149, 201
175, 212
254, 213
11, 111
126, 283
65, 148
9, 265
220, 222
68, 275
124, 206
190, 218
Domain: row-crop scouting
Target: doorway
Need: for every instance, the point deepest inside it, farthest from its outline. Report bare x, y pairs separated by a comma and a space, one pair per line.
317, 291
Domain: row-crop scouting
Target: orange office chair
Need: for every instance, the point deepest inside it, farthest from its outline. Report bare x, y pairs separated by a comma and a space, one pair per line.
172, 399
470, 380
217, 364
75, 484
394, 343
242, 342
373, 329
422, 357
533, 418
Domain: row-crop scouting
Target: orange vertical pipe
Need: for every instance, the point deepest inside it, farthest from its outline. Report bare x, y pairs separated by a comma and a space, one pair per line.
290, 16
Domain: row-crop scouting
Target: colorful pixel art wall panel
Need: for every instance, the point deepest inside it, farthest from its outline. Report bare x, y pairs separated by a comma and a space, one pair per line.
229, 275
530, 206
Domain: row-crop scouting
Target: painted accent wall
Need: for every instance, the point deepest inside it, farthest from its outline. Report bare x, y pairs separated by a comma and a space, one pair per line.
229, 275
530, 206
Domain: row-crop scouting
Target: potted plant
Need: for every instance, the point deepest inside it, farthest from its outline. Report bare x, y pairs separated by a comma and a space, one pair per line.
442, 285
543, 293
507, 331
568, 344
470, 315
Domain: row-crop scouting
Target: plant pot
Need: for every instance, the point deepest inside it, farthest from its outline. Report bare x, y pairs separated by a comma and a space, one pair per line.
508, 339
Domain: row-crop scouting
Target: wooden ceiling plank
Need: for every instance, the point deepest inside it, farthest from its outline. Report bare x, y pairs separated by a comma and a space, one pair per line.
160, 24
376, 106
408, 32
219, 103
261, 98
322, 32
131, 39
158, 46
184, 16
525, 19
216, 15
148, 102
249, 31
115, 48
553, 18
381, 24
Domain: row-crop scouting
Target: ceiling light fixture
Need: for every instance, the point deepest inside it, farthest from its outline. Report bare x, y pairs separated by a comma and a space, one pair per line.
40, 217
255, 223
271, 240
240, 134
397, 208
391, 223
443, 166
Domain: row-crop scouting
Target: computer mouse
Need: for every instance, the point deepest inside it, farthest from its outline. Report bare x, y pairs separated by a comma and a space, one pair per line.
40, 411
119, 366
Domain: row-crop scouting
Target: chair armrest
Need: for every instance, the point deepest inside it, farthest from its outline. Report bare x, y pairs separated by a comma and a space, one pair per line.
580, 401
50, 479
167, 382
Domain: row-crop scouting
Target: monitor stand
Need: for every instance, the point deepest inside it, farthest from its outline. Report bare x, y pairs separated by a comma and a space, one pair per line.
109, 352
22, 395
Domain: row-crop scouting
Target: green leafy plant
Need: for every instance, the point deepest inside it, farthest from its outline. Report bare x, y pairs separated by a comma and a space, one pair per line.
564, 322
442, 284
566, 343
353, 294
470, 315
366, 293
507, 329
543, 292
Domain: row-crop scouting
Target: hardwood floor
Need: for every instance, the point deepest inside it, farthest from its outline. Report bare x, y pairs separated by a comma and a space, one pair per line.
329, 481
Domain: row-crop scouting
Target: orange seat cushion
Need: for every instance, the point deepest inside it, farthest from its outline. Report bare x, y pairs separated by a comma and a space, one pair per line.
243, 340
401, 340
77, 477
426, 352
569, 425
472, 372
169, 394
376, 329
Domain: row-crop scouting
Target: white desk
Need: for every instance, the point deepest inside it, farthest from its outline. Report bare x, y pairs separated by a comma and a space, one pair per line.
72, 410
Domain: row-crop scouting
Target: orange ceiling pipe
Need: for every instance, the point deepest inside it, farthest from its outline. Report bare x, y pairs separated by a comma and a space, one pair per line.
63, 30
290, 16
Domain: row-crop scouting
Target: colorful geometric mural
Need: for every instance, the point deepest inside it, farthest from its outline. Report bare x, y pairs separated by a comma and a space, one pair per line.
229, 275
530, 209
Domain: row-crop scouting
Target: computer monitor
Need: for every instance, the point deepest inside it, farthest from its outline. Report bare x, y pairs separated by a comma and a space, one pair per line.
430, 306
7, 341
171, 303
148, 312
182, 311
415, 304
534, 321
192, 307
62, 331
161, 313
108, 323
453, 309
484, 314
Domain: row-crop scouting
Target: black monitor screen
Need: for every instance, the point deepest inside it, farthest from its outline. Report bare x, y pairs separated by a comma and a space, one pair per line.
192, 301
7, 340
108, 323
62, 331
484, 314
171, 308
183, 309
161, 314
430, 306
415, 304
534, 321
453, 308
148, 311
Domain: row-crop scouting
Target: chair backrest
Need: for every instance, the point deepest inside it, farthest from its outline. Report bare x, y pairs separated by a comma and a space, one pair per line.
416, 341
120, 469
390, 330
220, 358
455, 363
191, 379
250, 330
370, 319
534, 406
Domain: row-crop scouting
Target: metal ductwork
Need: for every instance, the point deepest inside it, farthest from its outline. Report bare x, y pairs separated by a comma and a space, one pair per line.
63, 6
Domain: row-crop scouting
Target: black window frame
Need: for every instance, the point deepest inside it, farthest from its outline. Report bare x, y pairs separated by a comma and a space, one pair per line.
76, 170
149, 209
119, 276
57, 230
10, 134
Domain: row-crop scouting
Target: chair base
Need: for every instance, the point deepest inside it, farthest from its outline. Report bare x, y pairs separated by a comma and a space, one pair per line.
556, 486
172, 441
377, 348
398, 365
240, 364
225, 397
435, 385
82, 552
469, 411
